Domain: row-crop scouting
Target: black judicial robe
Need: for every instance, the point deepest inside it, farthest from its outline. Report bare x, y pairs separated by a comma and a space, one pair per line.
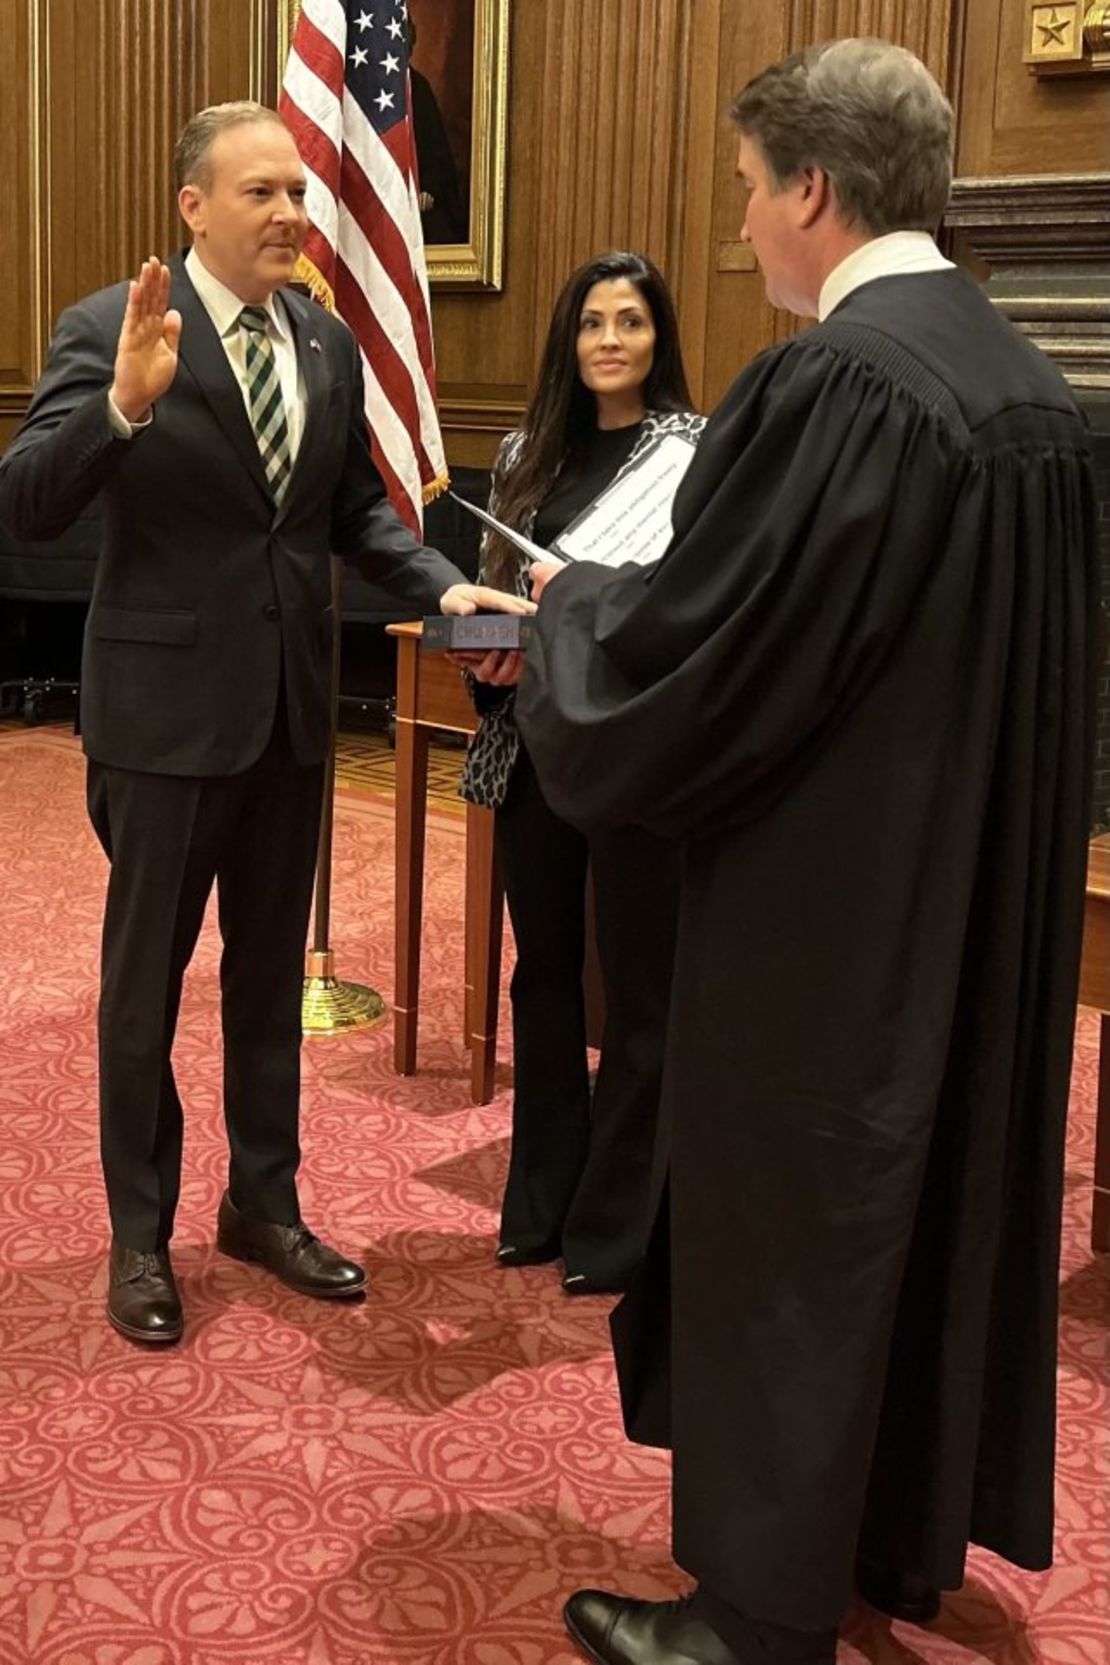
859, 690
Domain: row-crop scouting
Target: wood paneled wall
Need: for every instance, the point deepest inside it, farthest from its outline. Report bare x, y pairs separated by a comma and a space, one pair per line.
21, 303
626, 145
618, 137
93, 94
602, 115
1013, 122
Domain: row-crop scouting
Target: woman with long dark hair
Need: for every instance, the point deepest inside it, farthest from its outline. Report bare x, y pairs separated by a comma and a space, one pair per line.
610, 384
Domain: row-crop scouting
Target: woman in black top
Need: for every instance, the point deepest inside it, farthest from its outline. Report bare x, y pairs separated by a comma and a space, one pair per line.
611, 382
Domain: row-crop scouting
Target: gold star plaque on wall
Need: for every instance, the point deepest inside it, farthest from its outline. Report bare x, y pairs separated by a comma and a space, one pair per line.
1071, 37
1054, 32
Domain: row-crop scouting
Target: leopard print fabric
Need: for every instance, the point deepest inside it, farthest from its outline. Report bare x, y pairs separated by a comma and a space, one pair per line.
493, 750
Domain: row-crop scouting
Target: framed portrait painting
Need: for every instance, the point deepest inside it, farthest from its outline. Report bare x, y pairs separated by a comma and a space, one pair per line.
459, 74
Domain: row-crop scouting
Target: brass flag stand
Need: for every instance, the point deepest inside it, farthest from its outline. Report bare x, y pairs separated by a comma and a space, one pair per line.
329, 1007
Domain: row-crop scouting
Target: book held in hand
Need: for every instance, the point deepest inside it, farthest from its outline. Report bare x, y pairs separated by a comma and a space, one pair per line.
476, 633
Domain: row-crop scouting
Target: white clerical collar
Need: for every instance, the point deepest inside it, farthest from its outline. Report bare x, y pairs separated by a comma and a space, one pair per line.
894, 255
222, 304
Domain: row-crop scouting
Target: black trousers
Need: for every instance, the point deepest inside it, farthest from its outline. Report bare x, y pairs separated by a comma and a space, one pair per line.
579, 1171
168, 838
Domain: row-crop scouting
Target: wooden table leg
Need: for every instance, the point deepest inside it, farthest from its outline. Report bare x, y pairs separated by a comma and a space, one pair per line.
470, 906
1100, 1219
485, 910
412, 786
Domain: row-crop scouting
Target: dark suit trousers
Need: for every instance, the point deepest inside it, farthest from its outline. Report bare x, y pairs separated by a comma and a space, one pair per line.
579, 1171
168, 838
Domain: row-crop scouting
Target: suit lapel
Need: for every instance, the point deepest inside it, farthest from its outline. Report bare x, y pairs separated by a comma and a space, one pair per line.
203, 353
314, 376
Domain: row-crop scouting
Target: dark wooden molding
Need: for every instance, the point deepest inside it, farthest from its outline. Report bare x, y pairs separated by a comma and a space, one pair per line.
1054, 218
474, 423
481, 415
1046, 241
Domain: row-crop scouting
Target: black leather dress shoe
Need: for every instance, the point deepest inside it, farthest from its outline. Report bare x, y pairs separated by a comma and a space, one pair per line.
512, 1254
143, 1303
291, 1253
581, 1283
616, 1631
898, 1594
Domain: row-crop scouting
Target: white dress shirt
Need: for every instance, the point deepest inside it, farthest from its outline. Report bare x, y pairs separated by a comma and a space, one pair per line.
897, 253
223, 306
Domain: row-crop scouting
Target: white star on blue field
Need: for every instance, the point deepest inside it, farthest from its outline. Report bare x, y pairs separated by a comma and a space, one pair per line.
377, 62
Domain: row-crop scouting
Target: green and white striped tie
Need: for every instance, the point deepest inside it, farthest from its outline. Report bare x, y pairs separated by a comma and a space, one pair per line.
266, 404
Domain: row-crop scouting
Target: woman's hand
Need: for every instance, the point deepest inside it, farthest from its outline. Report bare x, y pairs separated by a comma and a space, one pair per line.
501, 668
541, 573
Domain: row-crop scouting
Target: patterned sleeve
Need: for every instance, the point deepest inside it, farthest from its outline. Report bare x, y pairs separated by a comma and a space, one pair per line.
506, 455
687, 423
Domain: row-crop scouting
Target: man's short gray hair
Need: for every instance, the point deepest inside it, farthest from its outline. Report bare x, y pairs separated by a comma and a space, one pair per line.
871, 116
191, 165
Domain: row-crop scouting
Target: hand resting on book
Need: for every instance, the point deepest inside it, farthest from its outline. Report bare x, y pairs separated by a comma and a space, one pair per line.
464, 599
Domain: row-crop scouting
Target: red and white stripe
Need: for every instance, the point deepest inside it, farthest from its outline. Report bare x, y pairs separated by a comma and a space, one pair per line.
364, 254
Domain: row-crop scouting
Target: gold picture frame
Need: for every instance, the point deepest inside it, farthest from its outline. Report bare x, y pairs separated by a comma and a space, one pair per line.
477, 262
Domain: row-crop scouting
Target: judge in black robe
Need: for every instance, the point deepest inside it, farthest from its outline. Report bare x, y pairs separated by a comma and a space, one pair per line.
858, 689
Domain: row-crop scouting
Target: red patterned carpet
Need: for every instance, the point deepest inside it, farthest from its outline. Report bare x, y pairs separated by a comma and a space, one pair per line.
419, 1480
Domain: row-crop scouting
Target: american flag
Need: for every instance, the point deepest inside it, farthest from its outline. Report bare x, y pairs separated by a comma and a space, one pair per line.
346, 99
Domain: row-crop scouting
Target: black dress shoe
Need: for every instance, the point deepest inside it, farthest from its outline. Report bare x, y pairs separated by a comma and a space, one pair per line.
898, 1594
291, 1253
512, 1254
143, 1303
616, 1631
581, 1283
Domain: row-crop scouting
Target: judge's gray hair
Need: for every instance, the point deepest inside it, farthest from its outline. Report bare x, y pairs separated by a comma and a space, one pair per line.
871, 116
191, 157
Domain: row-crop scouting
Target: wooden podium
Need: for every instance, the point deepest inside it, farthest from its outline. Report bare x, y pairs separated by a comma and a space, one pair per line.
431, 695
1094, 990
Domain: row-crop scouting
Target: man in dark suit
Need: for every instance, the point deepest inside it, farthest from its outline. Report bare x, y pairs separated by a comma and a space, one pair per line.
220, 418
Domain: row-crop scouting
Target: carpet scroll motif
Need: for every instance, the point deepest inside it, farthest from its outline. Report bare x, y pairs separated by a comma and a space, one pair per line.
420, 1479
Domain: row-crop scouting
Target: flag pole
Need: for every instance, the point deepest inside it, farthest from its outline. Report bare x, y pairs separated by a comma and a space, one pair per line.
337, 102
328, 1006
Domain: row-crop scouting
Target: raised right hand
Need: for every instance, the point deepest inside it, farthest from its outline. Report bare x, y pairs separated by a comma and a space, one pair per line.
146, 358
